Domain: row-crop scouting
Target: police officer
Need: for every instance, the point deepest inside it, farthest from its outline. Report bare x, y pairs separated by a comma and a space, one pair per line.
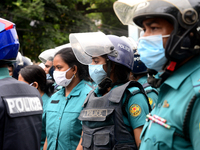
63, 128
21, 62
20, 104
47, 58
170, 43
139, 73
112, 118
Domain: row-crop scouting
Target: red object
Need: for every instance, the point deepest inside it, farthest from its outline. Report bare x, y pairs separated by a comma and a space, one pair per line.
8, 25
171, 66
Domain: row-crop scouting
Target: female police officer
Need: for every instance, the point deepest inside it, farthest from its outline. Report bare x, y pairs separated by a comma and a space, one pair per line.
35, 76
63, 129
105, 124
171, 44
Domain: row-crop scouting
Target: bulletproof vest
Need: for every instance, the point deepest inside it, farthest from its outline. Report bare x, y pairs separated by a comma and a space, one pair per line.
102, 119
20, 116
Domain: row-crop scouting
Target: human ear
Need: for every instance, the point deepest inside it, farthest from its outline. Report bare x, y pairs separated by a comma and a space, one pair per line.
35, 84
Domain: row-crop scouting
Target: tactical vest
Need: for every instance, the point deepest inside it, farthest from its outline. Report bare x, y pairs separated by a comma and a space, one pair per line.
102, 119
20, 116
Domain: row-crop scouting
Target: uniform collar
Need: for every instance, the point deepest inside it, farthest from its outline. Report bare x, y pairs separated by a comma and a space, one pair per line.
142, 80
4, 73
75, 91
45, 96
183, 72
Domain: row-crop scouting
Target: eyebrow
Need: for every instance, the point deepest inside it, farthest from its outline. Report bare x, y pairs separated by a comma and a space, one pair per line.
95, 58
150, 23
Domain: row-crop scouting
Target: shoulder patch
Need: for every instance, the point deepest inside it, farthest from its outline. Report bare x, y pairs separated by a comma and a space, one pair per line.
150, 101
135, 110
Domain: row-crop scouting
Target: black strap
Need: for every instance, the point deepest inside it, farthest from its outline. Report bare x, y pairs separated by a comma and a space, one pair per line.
151, 90
187, 118
125, 103
129, 94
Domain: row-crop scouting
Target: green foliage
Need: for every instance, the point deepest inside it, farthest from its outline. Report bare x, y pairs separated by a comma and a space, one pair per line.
45, 24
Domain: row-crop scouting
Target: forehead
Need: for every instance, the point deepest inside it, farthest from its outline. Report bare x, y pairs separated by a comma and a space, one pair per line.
58, 60
159, 21
48, 62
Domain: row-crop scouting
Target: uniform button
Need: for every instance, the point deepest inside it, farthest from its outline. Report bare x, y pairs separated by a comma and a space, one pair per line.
59, 118
154, 139
159, 105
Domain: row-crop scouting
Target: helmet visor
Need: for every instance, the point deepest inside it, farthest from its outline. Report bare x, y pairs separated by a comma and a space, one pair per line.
88, 45
125, 11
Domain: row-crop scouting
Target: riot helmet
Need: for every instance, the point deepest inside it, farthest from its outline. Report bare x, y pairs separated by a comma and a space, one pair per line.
88, 45
9, 44
94, 44
139, 67
91, 44
125, 52
21, 62
49, 53
183, 14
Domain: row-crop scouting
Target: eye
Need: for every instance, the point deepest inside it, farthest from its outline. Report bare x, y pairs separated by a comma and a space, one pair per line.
154, 28
95, 60
57, 67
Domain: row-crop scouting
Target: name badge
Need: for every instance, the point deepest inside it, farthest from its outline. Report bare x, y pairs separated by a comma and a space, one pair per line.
95, 113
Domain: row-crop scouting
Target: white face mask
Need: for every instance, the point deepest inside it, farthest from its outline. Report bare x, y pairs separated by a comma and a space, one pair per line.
60, 78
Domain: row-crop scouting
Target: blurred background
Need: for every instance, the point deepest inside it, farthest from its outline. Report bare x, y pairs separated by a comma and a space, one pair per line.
45, 24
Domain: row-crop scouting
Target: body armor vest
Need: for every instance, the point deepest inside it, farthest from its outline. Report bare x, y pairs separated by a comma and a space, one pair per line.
20, 116
103, 125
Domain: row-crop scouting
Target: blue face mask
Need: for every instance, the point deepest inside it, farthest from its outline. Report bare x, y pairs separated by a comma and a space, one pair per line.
48, 77
97, 73
151, 51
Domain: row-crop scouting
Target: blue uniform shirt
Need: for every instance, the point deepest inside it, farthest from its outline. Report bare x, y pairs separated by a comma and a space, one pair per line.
152, 95
45, 99
63, 128
174, 96
4, 73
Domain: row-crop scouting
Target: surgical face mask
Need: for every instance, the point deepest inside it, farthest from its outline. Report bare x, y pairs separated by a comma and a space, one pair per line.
48, 77
97, 73
60, 78
152, 52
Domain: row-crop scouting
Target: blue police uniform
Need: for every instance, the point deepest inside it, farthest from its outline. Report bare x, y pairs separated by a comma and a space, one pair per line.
63, 129
4, 73
20, 115
175, 94
45, 99
152, 93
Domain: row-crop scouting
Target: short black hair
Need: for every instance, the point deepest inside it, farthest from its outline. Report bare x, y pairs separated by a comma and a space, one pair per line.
34, 73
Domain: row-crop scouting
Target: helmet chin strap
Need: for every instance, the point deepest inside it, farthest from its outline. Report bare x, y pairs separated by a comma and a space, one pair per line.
106, 82
157, 82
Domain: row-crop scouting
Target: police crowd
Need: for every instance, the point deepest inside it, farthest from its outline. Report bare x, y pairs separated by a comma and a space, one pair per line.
105, 92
